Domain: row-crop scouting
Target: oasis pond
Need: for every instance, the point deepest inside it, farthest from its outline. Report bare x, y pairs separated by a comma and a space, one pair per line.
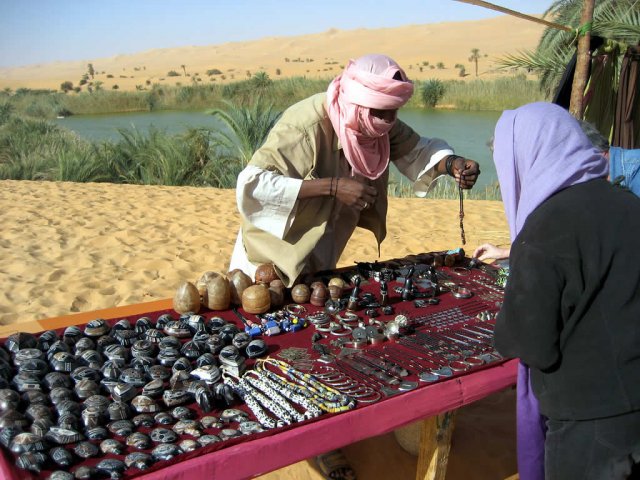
467, 132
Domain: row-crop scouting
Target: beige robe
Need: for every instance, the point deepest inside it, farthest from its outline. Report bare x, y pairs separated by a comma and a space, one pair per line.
303, 146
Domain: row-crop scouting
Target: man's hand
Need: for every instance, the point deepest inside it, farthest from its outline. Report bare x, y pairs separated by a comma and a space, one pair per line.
355, 194
465, 171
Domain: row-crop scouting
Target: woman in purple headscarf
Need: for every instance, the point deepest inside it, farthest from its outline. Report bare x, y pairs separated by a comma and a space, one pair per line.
572, 305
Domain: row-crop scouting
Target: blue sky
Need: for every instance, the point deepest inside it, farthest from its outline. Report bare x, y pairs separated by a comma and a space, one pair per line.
42, 31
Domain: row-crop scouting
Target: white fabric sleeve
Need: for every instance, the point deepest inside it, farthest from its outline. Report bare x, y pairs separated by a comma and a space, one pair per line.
427, 152
267, 199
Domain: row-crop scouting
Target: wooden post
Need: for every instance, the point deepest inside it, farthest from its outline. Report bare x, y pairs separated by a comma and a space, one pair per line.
583, 58
514, 13
435, 443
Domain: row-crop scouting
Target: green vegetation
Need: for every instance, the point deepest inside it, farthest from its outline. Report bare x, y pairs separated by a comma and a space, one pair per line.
445, 188
432, 92
33, 148
40, 150
491, 95
247, 129
475, 56
36, 149
495, 95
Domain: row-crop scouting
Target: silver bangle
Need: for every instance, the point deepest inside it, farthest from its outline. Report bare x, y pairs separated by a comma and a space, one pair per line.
295, 309
461, 292
377, 323
327, 327
340, 330
348, 318
319, 318
368, 397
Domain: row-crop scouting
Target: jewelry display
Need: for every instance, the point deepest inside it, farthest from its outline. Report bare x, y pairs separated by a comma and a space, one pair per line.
425, 322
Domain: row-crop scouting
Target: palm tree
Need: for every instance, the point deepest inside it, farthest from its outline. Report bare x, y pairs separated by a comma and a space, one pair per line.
246, 130
475, 56
261, 80
618, 21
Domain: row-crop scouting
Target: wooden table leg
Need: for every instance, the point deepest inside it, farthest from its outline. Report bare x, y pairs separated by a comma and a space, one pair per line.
435, 443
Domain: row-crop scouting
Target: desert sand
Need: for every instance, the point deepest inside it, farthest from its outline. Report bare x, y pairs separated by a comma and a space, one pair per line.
70, 247
74, 247
418, 48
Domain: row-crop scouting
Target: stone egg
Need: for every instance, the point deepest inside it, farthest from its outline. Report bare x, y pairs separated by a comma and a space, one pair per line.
256, 299
186, 298
276, 289
238, 282
300, 293
319, 294
266, 273
336, 287
215, 290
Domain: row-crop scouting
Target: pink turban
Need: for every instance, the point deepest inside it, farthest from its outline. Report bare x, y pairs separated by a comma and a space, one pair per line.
366, 83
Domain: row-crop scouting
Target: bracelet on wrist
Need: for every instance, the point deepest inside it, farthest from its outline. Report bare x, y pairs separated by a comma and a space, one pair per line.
448, 166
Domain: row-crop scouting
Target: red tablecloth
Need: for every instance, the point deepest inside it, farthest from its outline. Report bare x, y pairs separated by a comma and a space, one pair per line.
250, 456
255, 457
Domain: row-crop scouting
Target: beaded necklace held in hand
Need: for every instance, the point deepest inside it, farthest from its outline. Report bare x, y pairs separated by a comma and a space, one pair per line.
462, 235
449, 169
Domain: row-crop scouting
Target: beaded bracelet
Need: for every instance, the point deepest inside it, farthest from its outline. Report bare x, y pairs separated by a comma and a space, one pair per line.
311, 411
449, 163
274, 396
273, 406
264, 419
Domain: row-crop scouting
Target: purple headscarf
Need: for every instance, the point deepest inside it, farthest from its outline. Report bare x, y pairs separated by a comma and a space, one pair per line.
539, 149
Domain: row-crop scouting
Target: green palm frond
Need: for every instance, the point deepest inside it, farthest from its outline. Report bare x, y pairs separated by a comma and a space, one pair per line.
620, 25
617, 21
535, 61
549, 67
247, 128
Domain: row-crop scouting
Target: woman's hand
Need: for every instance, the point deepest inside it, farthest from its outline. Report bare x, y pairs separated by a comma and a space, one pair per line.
354, 193
488, 250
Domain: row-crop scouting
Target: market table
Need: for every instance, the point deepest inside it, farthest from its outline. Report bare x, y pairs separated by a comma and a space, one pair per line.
260, 453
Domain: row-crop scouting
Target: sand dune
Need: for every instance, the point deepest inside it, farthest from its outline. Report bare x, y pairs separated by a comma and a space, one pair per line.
315, 55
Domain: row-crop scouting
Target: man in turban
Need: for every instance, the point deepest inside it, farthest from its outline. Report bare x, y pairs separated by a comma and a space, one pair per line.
324, 170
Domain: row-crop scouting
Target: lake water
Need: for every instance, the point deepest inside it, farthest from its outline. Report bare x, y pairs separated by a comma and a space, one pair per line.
466, 132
